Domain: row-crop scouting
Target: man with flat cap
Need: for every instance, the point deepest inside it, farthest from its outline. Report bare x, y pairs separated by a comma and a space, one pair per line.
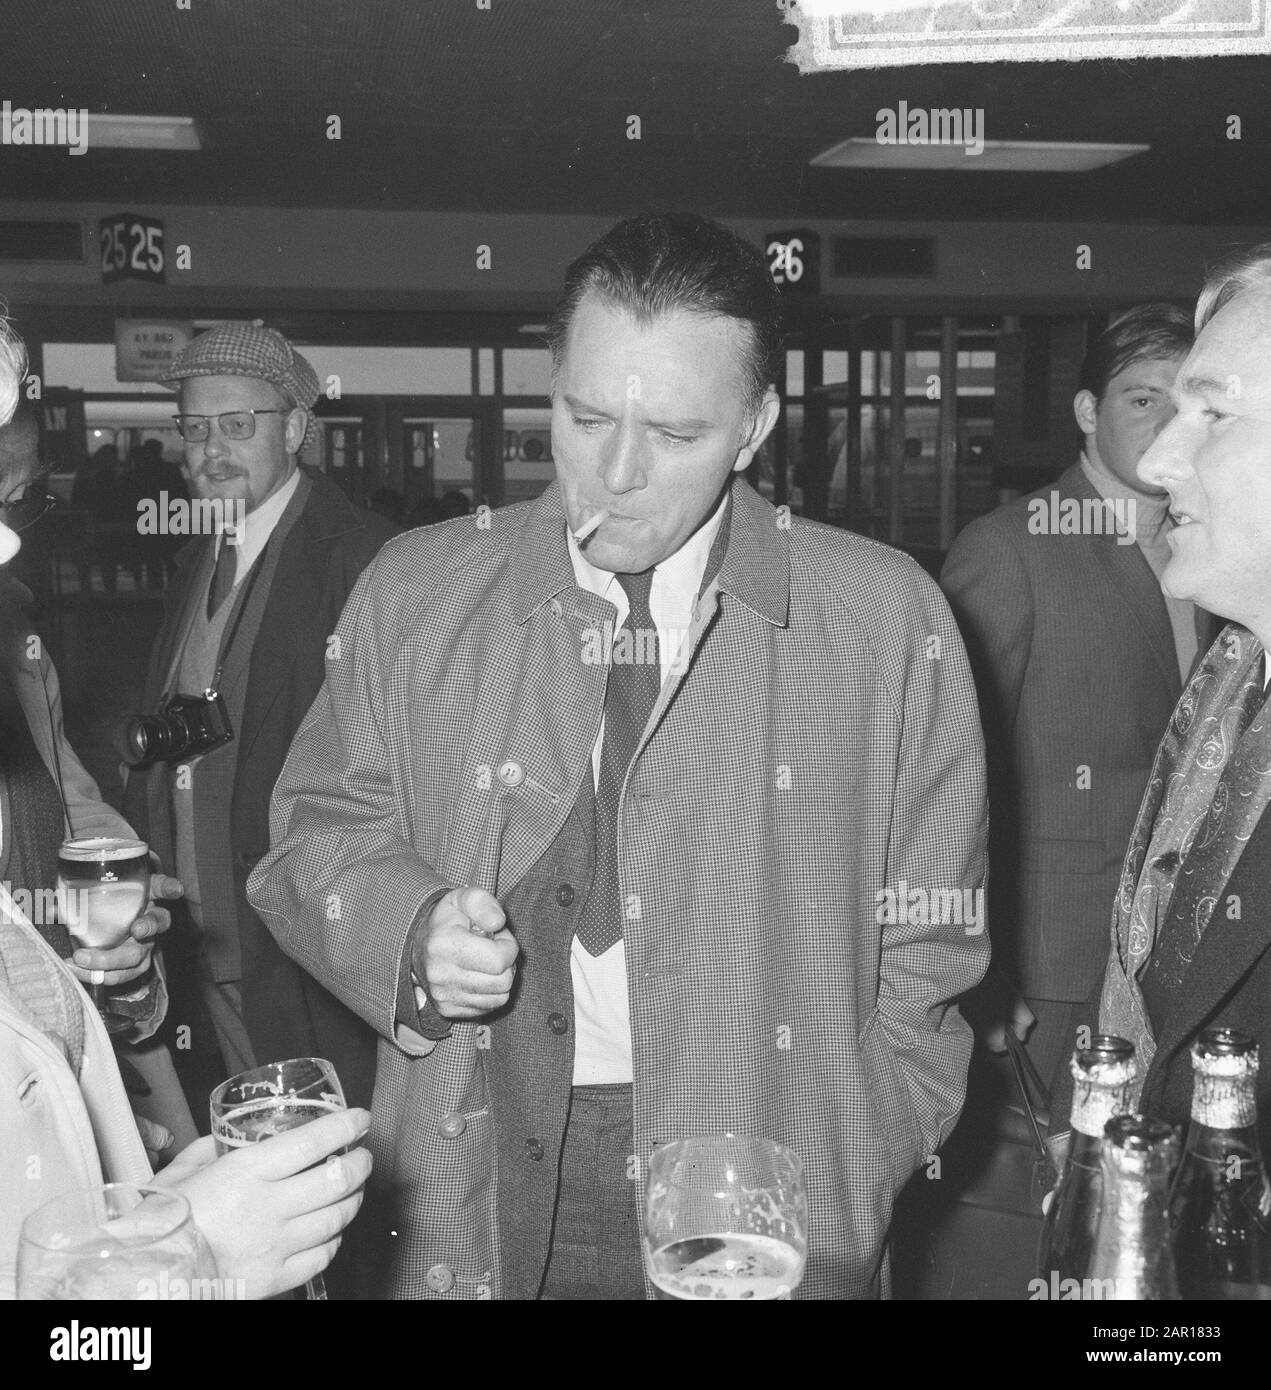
247, 614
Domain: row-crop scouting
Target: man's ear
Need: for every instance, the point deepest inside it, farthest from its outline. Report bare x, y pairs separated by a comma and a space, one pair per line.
762, 426
297, 425
1084, 408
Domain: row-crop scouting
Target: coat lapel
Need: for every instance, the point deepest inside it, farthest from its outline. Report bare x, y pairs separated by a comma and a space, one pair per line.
193, 574
1135, 585
1228, 948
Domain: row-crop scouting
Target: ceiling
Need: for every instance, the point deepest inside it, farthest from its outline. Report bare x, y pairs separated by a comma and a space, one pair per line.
524, 107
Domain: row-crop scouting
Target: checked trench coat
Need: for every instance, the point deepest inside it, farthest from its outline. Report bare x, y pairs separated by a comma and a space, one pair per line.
819, 747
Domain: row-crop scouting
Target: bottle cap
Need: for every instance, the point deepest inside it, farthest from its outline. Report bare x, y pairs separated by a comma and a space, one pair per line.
1104, 1048
1137, 1133
1224, 1042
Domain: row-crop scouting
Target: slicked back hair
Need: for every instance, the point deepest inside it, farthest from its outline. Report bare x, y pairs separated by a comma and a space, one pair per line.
659, 263
1247, 270
1148, 332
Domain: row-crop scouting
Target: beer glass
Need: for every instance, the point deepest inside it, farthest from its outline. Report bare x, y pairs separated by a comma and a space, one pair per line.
726, 1216
272, 1099
113, 1241
103, 885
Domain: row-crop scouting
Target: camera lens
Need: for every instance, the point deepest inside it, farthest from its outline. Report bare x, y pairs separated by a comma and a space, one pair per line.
150, 737
141, 740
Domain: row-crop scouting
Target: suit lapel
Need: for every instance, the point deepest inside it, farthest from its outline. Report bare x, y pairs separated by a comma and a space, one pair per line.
1136, 586
1228, 948
294, 586
194, 573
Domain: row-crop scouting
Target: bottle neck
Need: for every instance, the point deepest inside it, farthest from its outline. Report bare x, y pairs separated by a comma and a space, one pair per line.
1096, 1101
1133, 1245
1085, 1150
1223, 1102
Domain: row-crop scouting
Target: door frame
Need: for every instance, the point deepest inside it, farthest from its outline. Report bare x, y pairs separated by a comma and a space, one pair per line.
483, 411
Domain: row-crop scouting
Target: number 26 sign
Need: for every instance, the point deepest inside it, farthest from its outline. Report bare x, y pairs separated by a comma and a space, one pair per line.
794, 261
132, 248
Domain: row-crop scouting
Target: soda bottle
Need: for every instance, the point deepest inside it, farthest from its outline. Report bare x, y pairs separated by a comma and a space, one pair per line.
1103, 1078
1220, 1208
1132, 1258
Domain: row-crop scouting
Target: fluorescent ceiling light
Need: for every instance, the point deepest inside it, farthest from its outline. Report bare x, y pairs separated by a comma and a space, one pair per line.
143, 133
536, 328
997, 157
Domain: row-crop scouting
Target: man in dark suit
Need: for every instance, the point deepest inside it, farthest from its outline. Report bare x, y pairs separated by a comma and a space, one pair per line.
248, 613
1078, 660
1192, 932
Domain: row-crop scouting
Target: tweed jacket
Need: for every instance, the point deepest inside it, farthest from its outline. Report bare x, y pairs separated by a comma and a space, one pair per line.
819, 747
321, 557
1074, 658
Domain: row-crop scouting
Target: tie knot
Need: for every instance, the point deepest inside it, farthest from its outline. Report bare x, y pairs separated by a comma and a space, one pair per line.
637, 588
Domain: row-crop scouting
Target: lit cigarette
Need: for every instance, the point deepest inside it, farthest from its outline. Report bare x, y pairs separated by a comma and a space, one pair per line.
584, 531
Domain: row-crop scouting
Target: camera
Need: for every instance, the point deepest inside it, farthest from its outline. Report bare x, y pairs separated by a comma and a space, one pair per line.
187, 726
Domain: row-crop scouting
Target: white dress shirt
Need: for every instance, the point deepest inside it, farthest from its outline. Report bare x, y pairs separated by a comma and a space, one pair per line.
258, 526
602, 1015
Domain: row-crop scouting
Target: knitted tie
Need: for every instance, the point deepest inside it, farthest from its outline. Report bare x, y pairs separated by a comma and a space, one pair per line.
635, 677
222, 578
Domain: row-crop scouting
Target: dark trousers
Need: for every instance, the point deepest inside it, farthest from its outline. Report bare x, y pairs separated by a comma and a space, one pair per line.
595, 1252
1054, 1037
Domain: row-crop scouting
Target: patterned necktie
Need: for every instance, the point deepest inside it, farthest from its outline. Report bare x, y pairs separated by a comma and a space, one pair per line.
222, 579
635, 678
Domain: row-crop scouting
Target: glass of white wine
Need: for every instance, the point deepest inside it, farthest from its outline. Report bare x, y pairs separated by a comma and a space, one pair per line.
103, 886
113, 1241
270, 1100
726, 1216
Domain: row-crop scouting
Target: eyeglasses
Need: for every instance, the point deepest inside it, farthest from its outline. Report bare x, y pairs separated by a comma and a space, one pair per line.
235, 424
26, 504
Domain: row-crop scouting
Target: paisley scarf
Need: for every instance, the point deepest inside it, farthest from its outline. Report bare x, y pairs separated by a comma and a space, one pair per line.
1210, 784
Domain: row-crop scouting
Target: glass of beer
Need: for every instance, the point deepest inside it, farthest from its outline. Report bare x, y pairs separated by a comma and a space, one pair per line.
113, 1241
270, 1100
726, 1216
103, 886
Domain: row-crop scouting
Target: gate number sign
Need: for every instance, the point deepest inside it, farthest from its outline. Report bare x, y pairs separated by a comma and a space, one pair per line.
794, 261
132, 248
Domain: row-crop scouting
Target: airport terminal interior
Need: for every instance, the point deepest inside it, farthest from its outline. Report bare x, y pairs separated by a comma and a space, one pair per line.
397, 186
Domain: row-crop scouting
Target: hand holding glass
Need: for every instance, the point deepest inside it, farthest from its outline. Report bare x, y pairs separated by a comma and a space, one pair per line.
273, 1099
115, 1241
103, 886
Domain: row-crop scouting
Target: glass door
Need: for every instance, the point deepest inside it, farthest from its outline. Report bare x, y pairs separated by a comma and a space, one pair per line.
440, 456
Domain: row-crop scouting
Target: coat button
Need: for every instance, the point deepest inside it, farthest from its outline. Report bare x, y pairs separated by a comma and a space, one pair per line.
511, 774
565, 894
452, 1126
440, 1279
558, 1023
534, 1149
557, 610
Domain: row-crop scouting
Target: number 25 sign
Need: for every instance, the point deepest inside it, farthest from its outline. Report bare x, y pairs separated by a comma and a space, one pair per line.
132, 248
793, 261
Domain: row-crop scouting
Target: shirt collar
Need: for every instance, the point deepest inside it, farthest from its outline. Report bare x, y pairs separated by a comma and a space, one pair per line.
756, 568
259, 525
1149, 510
680, 574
